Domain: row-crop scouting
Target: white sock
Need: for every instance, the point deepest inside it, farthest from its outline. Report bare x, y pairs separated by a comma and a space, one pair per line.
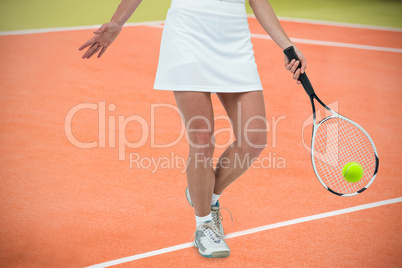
215, 198
201, 220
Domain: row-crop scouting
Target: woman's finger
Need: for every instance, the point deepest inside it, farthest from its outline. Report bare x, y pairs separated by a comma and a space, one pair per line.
90, 50
289, 66
88, 43
102, 51
294, 67
101, 29
94, 52
296, 74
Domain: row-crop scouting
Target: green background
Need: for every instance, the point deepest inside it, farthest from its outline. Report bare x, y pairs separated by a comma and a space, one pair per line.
31, 14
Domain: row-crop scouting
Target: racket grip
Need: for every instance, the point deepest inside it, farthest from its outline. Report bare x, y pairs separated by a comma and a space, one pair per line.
291, 54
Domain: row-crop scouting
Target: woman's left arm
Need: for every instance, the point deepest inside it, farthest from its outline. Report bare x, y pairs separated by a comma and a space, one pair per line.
268, 20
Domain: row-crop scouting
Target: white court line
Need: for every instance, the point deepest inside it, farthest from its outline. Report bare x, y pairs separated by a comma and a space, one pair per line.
338, 24
160, 26
332, 44
341, 24
251, 231
75, 28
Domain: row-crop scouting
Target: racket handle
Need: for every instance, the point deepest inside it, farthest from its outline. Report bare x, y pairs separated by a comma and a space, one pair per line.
291, 54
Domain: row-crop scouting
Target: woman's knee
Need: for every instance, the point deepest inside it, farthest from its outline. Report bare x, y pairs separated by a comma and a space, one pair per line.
255, 135
201, 136
202, 142
254, 143
201, 149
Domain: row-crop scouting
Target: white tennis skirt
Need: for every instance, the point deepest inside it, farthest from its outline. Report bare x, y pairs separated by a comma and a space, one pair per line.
206, 47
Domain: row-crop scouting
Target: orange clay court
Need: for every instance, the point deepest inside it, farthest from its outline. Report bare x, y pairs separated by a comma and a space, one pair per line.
65, 206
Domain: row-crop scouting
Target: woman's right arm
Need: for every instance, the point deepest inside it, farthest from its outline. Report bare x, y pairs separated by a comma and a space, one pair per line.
106, 34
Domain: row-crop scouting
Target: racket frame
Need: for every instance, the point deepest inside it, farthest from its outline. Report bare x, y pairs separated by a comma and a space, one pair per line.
315, 128
291, 54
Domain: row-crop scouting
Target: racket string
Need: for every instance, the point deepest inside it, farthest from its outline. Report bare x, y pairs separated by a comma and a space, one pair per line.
336, 143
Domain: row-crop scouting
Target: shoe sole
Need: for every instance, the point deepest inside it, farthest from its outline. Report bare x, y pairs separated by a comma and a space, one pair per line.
217, 254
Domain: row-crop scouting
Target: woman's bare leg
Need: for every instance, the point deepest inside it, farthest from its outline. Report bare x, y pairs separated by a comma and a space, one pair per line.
247, 113
198, 117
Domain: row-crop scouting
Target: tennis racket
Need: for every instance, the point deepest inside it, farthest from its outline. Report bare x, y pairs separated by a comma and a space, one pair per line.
337, 141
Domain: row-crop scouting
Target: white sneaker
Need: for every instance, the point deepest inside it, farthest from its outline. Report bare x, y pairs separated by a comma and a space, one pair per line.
209, 241
215, 212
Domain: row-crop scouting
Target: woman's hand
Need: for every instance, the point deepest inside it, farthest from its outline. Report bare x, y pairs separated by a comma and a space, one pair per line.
103, 38
292, 66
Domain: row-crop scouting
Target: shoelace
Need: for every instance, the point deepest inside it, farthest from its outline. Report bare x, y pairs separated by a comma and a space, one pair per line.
211, 231
217, 215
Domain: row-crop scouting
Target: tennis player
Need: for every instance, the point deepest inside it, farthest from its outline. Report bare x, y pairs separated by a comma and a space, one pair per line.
206, 49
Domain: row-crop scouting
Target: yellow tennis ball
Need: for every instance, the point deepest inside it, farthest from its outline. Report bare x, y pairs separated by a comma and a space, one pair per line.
352, 172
